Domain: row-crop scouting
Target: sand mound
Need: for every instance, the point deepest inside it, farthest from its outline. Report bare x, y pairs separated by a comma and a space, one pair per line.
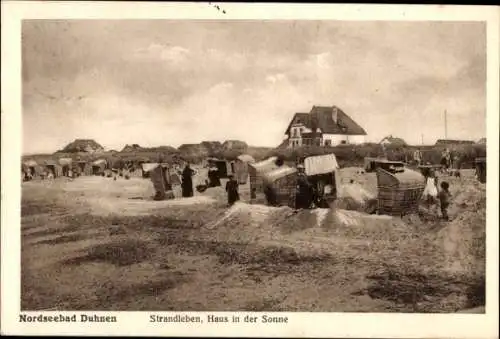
355, 197
189, 201
128, 207
356, 192
321, 214
463, 242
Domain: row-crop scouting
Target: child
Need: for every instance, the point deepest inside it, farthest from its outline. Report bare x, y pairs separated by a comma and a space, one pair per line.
444, 199
232, 191
430, 191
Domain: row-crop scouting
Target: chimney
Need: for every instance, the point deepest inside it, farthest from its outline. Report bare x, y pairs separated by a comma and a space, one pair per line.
334, 114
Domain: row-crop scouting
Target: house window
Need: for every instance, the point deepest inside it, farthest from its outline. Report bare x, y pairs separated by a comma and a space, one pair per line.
343, 142
294, 131
328, 142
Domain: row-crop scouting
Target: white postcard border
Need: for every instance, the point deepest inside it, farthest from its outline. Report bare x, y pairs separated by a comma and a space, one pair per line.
299, 324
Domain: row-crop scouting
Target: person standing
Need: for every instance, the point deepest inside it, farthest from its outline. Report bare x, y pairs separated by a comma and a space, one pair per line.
213, 175
304, 189
446, 159
430, 191
232, 191
187, 181
417, 157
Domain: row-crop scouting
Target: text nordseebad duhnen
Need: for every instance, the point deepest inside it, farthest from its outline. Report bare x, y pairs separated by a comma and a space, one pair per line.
62, 318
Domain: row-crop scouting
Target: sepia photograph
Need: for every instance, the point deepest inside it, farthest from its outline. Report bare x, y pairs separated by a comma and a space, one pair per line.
311, 166
219, 169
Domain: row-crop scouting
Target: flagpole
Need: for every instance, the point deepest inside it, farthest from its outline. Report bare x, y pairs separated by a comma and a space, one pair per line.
445, 125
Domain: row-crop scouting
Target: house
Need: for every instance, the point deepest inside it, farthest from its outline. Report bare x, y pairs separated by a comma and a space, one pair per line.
453, 142
390, 140
323, 126
83, 145
482, 141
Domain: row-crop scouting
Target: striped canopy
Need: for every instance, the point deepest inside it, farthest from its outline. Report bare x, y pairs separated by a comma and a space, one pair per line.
65, 161
320, 164
30, 163
246, 158
99, 162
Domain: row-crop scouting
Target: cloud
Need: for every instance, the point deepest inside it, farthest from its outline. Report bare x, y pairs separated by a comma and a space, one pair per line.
273, 79
245, 80
171, 54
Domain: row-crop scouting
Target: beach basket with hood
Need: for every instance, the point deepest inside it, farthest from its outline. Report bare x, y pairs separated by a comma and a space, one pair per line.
160, 174
256, 171
54, 167
399, 190
280, 186
241, 170
481, 169
322, 170
99, 166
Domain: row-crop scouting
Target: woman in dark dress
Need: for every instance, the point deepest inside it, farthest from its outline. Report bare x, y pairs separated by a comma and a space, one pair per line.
187, 181
232, 191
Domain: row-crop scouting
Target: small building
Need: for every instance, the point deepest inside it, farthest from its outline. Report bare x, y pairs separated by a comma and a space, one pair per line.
323, 126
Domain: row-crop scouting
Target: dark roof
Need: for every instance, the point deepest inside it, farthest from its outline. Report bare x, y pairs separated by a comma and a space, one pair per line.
450, 142
322, 117
184, 146
283, 144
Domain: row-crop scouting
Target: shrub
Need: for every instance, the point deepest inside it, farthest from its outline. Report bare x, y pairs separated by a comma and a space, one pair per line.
353, 155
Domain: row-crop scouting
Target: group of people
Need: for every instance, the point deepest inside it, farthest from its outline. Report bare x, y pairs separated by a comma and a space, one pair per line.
448, 159
187, 184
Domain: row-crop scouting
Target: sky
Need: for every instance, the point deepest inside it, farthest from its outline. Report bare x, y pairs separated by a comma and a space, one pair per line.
170, 82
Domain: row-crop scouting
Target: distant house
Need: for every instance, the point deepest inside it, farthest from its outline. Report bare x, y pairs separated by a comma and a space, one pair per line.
453, 142
132, 148
236, 145
482, 141
212, 146
390, 140
323, 126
